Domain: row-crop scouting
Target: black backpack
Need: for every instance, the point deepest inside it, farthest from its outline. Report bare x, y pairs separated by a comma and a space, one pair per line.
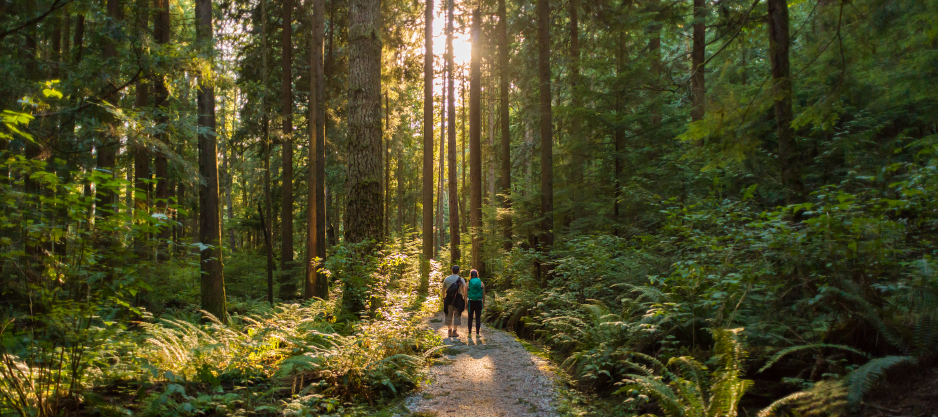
454, 288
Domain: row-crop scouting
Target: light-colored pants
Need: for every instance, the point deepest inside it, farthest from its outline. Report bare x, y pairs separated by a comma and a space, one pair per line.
452, 315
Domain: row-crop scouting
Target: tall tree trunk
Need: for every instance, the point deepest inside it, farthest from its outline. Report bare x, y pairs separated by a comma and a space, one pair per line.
619, 140
386, 150
265, 126
364, 217
781, 87
226, 162
547, 170
475, 141
141, 150
505, 145
106, 198
399, 174
698, 55
654, 50
451, 133
287, 283
212, 286
427, 188
575, 126
463, 204
141, 174
439, 179
161, 32
316, 286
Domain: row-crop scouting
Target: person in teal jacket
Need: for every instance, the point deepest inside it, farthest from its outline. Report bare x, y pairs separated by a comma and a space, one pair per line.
476, 296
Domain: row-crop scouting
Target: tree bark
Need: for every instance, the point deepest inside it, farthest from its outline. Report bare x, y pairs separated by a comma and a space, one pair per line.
698, 55
475, 143
141, 151
439, 179
575, 125
654, 50
781, 88
451, 134
364, 217
463, 204
316, 286
504, 83
212, 286
547, 172
141, 174
265, 126
427, 188
105, 198
161, 32
386, 149
287, 283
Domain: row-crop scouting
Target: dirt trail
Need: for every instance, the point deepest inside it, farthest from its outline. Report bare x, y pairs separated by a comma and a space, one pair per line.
488, 375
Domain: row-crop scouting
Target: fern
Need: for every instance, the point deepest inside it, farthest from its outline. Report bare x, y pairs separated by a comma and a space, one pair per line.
815, 347
824, 398
691, 392
862, 380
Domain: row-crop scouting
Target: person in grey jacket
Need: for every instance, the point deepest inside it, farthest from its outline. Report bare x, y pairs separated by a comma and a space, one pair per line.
454, 300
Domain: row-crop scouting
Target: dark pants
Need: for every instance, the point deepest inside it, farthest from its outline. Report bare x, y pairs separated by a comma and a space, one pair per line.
475, 308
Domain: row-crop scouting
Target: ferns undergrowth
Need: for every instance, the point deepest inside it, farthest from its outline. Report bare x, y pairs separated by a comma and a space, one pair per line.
293, 358
829, 304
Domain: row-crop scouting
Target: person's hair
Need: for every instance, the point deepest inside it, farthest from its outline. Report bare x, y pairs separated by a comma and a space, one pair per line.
455, 269
473, 274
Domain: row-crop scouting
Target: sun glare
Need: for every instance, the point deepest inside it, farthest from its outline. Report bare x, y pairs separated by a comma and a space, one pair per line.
462, 52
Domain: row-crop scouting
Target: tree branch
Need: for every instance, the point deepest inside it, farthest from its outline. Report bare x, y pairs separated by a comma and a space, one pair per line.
57, 4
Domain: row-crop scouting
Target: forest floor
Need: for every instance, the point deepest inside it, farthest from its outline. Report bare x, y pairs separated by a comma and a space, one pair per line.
488, 375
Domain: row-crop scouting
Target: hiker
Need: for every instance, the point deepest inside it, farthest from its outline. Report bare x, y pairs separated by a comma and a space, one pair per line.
454, 301
476, 297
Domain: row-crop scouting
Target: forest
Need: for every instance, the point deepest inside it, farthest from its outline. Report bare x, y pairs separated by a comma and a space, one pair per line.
686, 207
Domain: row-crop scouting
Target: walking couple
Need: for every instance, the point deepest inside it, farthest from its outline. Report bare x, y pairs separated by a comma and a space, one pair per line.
455, 293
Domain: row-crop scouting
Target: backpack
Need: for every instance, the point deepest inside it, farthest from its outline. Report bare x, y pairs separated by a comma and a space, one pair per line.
454, 288
475, 289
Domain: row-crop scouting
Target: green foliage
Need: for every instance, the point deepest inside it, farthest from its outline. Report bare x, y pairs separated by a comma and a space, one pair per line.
690, 389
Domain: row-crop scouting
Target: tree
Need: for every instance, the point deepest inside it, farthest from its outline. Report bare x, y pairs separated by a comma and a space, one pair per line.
698, 55
212, 286
451, 134
106, 199
316, 222
781, 89
141, 152
364, 214
427, 188
576, 98
547, 170
265, 129
161, 31
505, 145
287, 283
475, 145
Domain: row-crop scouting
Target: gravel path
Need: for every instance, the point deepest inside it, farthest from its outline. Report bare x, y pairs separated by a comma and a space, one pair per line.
488, 375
